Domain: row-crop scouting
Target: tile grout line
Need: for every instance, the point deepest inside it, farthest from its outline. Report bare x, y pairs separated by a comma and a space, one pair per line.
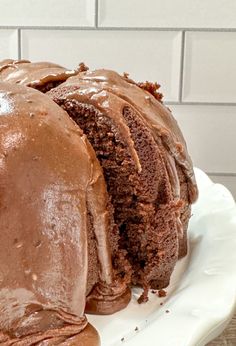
222, 174
185, 103
181, 66
96, 14
19, 43
58, 27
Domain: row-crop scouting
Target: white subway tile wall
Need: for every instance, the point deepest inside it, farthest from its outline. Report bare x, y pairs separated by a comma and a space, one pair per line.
47, 13
189, 47
209, 132
8, 44
210, 67
168, 13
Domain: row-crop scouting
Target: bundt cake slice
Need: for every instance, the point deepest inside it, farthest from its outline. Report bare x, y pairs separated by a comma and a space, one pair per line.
146, 165
38, 75
55, 221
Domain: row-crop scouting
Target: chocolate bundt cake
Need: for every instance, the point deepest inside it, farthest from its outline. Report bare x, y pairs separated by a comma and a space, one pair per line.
148, 171
56, 225
143, 154
39, 75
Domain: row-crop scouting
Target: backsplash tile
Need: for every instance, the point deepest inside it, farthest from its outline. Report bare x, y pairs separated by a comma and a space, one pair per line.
210, 67
168, 13
8, 44
210, 134
47, 13
145, 55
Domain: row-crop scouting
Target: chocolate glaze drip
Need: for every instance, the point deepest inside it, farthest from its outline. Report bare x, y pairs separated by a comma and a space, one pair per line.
33, 74
43, 220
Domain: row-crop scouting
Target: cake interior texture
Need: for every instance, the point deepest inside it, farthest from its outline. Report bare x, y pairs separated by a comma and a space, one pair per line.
151, 215
134, 196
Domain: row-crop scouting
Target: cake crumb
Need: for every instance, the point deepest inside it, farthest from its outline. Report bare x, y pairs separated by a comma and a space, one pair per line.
82, 67
123, 339
152, 88
126, 76
161, 303
167, 311
161, 293
144, 296
136, 329
153, 291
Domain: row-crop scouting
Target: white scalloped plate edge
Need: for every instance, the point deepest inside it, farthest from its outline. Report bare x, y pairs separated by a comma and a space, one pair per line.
201, 297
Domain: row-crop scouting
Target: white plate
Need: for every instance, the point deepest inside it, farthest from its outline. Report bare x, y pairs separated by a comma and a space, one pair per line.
202, 294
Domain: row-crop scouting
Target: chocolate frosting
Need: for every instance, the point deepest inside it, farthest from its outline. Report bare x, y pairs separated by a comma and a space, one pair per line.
111, 93
33, 74
49, 179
